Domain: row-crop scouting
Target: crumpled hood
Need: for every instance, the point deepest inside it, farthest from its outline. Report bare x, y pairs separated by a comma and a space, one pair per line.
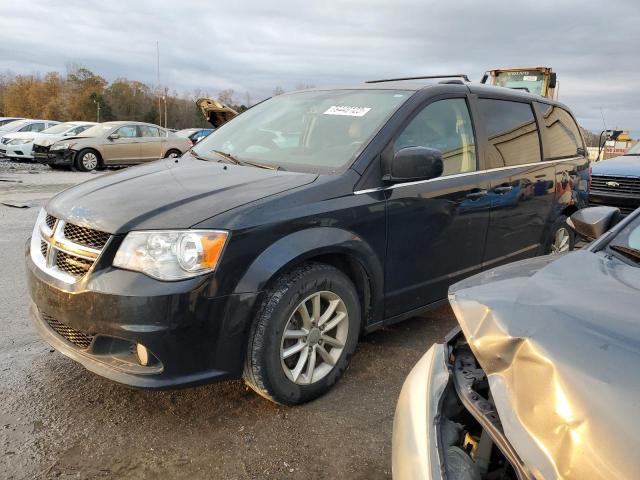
47, 139
168, 194
623, 166
560, 343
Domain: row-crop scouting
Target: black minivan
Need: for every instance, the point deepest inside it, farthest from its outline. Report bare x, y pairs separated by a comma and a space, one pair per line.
270, 247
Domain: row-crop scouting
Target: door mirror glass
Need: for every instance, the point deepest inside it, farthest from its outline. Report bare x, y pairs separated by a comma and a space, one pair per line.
415, 163
114, 136
593, 222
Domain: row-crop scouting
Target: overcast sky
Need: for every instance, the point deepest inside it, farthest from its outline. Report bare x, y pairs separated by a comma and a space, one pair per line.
254, 45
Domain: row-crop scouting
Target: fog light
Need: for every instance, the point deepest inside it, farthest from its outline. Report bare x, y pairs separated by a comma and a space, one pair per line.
143, 354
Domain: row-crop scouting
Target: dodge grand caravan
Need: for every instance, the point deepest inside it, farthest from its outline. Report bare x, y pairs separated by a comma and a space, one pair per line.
266, 250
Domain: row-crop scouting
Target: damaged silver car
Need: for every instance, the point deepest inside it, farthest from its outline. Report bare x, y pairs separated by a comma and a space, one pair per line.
539, 380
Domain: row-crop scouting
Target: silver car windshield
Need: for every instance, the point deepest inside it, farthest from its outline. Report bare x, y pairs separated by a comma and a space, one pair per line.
98, 130
317, 131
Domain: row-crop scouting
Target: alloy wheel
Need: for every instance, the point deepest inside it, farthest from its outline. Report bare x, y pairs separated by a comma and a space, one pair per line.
314, 337
89, 161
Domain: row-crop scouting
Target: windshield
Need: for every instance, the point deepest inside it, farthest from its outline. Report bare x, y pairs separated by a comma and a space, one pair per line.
627, 242
6, 121
635, 150
533, 81
318, 131
98, 130
60, 128
14, 124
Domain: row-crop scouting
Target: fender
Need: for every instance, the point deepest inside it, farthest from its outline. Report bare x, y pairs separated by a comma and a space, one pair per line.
305, 244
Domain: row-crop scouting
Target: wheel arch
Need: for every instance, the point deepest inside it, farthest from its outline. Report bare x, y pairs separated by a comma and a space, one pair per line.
339, 248
93, 149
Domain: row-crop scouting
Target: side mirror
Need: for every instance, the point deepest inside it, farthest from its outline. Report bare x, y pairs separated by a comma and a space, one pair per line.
415, 163
114, 136
593, 222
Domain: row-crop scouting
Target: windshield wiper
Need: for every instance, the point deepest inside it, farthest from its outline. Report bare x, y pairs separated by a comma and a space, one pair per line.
633, 253
227, 156
194, 154
261, 165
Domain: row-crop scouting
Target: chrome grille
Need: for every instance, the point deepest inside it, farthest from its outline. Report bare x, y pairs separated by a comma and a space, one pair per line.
78, 338
50, 221
85, 236
71, 264
615, 185
64, 250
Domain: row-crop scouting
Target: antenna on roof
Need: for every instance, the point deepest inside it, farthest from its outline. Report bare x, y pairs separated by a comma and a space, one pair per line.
429, 77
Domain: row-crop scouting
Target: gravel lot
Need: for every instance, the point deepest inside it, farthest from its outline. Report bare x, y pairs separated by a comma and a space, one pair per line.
59, 421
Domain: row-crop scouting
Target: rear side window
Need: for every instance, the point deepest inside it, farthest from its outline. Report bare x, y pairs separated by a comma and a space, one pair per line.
512, 133
446, 126
561, 135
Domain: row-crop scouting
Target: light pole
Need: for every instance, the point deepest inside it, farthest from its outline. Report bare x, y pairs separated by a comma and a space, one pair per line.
98, 110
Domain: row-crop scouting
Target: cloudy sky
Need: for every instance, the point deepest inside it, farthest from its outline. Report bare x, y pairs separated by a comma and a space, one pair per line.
254, 45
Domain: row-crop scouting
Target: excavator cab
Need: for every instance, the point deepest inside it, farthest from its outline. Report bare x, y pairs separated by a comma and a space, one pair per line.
538, 80
216, 113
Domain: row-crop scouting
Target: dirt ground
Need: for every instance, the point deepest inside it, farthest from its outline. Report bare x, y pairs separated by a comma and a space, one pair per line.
58, 420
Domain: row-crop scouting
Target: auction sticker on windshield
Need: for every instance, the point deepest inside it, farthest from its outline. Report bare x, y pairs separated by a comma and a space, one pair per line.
346, 110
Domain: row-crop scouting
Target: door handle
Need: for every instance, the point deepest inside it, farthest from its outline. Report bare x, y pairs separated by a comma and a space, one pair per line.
503, 190
477, 194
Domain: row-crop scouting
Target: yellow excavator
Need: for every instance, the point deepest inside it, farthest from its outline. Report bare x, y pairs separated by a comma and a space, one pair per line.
539, 80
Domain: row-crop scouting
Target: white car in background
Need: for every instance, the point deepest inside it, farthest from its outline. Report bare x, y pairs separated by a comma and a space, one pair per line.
5, 120
21, 144
33, 126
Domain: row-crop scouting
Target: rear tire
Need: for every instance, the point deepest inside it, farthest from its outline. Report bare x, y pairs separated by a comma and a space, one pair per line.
323, 339
562, 238
173, 153
87, 160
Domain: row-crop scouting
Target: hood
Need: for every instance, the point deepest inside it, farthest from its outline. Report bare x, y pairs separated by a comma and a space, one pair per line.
48, 139
33, 135
626, 165
168, 194
559, 341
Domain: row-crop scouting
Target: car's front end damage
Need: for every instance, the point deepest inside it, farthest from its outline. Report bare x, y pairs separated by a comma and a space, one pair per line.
535, 383
59, 153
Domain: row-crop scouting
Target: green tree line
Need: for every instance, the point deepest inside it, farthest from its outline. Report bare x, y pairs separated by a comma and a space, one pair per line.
77, 95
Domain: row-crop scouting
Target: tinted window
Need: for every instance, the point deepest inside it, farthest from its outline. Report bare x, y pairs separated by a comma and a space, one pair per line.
561, 134
444, 125
146, 131
128, 131
512, 133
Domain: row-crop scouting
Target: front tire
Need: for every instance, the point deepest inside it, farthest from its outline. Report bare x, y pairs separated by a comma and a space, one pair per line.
562, 239
87, 160
304, 335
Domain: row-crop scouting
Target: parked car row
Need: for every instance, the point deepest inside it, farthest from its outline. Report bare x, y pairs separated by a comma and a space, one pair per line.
86, 146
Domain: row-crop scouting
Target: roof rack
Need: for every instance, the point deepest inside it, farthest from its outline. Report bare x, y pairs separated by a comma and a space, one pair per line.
429, 77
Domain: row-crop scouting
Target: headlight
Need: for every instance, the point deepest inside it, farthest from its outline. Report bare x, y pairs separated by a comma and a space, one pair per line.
171, 254
60, 146
20, 141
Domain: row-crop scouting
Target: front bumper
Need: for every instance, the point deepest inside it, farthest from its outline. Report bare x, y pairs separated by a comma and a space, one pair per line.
195, 339
414, 446
55, 157
19, 151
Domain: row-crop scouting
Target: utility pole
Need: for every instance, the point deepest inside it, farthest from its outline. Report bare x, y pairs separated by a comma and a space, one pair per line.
159, 89
166, 91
